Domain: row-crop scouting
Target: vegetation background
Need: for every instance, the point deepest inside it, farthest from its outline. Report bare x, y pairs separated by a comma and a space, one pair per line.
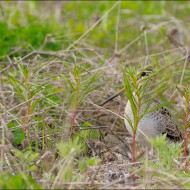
58, 61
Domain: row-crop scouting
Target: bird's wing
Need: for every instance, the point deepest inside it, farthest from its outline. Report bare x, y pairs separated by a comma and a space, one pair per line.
168, 126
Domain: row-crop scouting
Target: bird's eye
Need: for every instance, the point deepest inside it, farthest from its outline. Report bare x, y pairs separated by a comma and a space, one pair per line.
143, 74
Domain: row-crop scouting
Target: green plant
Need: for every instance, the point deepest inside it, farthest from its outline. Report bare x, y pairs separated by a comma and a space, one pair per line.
166, 168
30, 92
71, 161
19, 181
27, 159
22, 169
185, 94
80, 84
166, 152
140, 92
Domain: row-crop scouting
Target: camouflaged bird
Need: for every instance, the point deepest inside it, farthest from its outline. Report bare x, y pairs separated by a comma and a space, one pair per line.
153, 124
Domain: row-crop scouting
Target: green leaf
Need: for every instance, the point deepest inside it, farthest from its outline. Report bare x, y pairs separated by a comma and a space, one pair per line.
18, 136
37, 89
18, 181
87, 162
32, 156
68, 81
32, 168
154, 108
66, 148
19, 87
129, 121
182, 93
34, 103
86, 124
130, 95
23, 70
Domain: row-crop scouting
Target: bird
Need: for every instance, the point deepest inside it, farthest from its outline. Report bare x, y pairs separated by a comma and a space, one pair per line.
152, 124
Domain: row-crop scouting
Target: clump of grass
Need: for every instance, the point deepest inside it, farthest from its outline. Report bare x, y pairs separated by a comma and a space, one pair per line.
69, 163
165, 166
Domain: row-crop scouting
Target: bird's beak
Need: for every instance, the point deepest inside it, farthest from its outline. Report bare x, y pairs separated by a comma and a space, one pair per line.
111, 98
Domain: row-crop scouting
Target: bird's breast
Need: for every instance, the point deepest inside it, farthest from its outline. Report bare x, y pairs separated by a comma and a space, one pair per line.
147, 126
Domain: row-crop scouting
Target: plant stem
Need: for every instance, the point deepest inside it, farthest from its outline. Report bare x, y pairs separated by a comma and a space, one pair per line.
136, 121
185, 139
134, 156
185, 151
185, 146
73, 117
134, 149
27, 115
28, 105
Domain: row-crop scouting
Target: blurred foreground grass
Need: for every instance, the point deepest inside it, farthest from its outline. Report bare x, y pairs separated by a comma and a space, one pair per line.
25, 26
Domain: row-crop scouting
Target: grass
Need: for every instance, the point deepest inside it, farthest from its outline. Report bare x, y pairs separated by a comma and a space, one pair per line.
59, 62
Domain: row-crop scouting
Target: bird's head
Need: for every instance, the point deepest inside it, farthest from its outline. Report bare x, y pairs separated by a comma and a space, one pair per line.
141, 74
